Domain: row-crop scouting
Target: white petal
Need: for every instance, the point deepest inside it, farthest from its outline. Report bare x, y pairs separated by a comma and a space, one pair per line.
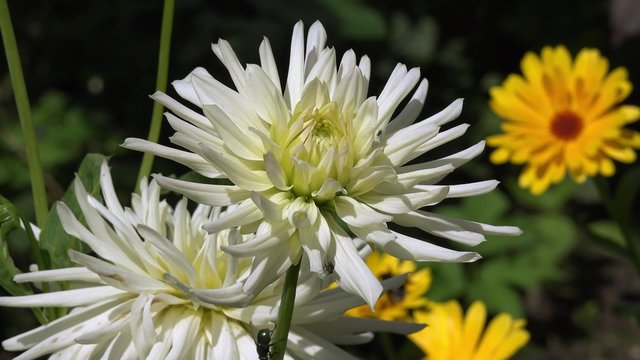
230, 296
238, 171
316, 40
236, 106
353, 274
401, 146
262, 241
448, 114
225, 53
442, 138
67, 274
65, 298
193, 161
471, 189
118, 276
388, 102
103, 247
173, 258
142, 327
185, 88
304, 344
269, 267
356, 213
267, 100
182, 111
408, 248
295, 77
268, 63
275, 173
403, 203
215, 195
245, 213
411, 111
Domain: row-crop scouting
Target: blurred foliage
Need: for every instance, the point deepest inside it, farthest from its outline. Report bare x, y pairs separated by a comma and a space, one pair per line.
90, 67
510, 266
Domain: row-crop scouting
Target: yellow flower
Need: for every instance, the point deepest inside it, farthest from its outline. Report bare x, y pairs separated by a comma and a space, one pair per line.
563, 116
396, 304
449, 336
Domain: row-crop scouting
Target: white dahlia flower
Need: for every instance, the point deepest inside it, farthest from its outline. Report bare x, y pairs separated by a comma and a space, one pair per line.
315, 166
160, 287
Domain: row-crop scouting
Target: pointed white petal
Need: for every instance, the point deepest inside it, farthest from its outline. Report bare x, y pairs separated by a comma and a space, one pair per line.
268, 63
305, 344
411, 111
182, 111
118, 276
238, 171
65, 298
353, 274
225, 53
409, 248
67, 274
209, 194
245, 213
191, 160
295, 77
403, 203
356, 213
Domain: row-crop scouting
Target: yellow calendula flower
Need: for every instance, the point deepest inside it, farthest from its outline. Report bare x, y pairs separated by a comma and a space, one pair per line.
396, 304
563, 115
450, 336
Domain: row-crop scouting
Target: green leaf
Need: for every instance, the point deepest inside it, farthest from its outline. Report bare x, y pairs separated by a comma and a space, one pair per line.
608, 230
53, 239
9, 221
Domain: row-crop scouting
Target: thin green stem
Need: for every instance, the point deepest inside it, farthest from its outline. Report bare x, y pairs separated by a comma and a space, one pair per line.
281, 332
633, 252
24, 113
387, 345
161, 85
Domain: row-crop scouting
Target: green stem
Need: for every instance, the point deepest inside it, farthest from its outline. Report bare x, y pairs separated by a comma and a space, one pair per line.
161, 85
24, 113
633, 252
387, 345
281, 332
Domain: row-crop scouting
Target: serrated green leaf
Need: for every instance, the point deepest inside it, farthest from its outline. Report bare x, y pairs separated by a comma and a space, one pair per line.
53, 239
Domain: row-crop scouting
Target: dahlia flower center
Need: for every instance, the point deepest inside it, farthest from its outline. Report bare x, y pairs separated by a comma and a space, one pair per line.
566, 125
322, 128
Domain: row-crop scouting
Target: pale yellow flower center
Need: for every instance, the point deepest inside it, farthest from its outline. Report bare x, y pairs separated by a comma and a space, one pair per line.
322, 128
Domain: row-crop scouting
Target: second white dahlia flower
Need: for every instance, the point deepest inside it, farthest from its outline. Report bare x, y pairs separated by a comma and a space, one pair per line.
160, 287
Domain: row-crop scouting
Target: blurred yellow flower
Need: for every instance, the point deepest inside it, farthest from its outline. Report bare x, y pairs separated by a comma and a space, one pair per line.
396, 304
563, 116
449, 336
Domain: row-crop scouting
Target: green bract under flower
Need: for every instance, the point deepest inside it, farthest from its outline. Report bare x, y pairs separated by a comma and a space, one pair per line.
319, 164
